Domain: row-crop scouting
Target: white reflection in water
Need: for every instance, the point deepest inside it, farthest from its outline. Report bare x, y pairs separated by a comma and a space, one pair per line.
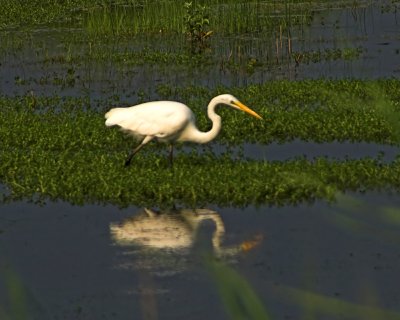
169, 236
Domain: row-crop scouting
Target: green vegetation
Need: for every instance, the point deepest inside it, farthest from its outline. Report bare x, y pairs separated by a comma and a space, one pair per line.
38, 12
196, 22
14, 306
311, 110
155, 16
239, 299
360, 218
130, 17
59, 148
377, 223
133, 33
318, 305
89, 176
56, 147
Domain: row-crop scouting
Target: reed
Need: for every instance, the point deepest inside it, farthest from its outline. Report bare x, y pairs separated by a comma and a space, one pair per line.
226, 17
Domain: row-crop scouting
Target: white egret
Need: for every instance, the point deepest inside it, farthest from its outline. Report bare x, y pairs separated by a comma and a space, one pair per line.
169, 121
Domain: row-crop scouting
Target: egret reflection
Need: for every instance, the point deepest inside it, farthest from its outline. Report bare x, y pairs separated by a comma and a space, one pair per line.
174, 231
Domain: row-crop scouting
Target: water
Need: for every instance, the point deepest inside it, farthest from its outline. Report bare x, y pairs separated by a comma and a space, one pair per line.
309, 150
103, 262
56, 62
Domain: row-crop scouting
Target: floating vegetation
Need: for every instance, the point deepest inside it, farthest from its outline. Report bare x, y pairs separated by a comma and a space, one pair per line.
59, 148
38, 12
326, 55
311, 110
98, 176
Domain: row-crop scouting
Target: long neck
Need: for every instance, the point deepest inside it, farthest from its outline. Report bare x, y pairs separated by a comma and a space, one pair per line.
204, 137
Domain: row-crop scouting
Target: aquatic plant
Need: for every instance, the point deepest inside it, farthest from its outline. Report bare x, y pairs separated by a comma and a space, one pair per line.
238, 297
93, 175
59, 148
196, 22
38, 12
310, 110
151, 16
241, 301
315, 305
326, 55
14, 305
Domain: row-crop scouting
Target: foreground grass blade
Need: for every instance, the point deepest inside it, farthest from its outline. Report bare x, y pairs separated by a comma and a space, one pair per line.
239, 299
16, 309
328, 306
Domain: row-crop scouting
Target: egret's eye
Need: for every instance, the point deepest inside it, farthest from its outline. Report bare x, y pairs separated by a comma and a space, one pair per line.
232, 102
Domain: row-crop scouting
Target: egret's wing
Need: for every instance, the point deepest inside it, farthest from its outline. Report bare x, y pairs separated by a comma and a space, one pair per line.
158, 118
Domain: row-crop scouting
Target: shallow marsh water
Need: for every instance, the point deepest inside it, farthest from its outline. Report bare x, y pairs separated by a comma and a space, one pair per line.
71, 264
310, 151
341, 43
74, 266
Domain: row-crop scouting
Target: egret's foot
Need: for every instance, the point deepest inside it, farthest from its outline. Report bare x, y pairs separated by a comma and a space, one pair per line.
128, 162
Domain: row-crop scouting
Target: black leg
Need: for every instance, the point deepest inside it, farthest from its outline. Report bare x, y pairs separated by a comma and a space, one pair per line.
171, 154
136, 150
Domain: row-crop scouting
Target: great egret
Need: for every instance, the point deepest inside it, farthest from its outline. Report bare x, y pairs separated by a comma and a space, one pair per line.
169, 121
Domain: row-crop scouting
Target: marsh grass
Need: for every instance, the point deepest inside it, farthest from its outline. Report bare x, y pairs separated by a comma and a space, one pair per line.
246, 36
226, 17
151, 17
28, 14
134, 17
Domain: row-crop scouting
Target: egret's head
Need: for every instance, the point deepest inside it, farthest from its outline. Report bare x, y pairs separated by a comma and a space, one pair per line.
233, 102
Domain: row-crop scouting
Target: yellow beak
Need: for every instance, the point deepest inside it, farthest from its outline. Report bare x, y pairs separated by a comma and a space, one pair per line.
246, 109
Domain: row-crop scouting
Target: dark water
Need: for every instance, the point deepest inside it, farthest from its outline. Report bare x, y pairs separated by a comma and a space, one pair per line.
95, 262
312, 150
36, 66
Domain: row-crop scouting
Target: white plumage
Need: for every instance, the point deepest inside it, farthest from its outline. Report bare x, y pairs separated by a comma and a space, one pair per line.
160, 119
169, 121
